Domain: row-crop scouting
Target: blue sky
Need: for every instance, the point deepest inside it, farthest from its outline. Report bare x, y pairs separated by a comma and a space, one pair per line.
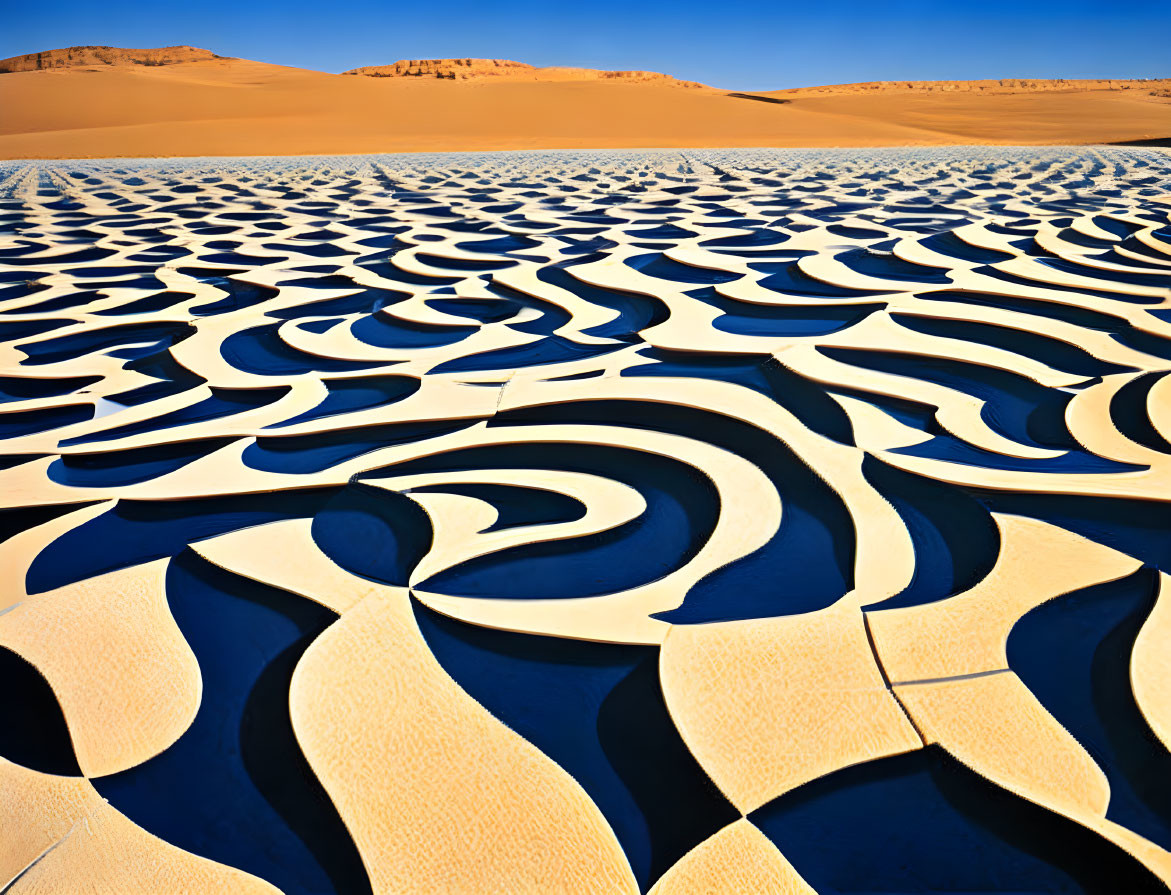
740, 44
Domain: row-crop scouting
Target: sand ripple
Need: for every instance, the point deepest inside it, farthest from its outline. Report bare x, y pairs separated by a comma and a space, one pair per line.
578, 522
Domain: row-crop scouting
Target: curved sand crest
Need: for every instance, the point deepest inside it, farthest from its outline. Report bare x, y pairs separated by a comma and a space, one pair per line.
220, 106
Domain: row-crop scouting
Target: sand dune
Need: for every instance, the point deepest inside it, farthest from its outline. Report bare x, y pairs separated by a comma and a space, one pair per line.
99, 101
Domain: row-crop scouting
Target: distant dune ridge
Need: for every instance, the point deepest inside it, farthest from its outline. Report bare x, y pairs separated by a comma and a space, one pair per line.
186, 101
991, 86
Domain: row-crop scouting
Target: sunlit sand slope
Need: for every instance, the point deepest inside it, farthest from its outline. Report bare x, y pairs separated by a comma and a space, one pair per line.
1007, 111
237, 107
587, 522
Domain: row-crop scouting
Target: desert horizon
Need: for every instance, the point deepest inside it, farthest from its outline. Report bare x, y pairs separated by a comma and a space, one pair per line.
87, 102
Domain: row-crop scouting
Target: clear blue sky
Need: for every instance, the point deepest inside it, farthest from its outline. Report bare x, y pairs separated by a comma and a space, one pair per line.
742, 44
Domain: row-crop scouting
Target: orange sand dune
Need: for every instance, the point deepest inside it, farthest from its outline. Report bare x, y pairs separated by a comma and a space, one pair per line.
73, 106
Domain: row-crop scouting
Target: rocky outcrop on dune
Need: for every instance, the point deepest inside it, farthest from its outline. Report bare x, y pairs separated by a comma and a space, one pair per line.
472, 69
637, 76
450, 69
74, 57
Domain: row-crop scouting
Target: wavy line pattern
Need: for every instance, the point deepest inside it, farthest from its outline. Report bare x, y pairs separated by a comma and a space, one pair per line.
716, 521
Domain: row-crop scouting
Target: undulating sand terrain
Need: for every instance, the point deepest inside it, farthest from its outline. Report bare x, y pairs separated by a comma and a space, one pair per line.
183, 101
674, 522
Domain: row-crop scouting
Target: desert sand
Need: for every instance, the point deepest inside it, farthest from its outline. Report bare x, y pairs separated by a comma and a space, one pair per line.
183, 101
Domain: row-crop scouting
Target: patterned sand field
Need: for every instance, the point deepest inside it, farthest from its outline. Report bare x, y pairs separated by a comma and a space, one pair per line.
713, 521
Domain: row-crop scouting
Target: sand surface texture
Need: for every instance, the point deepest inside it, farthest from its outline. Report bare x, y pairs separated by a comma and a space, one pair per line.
674, 522
99, 102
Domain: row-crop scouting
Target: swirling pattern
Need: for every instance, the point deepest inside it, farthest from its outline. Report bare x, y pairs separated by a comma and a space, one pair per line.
713, 521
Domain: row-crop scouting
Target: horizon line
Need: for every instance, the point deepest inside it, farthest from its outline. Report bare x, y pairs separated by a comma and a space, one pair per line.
890, 80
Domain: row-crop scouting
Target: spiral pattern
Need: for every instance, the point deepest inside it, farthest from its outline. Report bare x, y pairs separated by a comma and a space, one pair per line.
587, 522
